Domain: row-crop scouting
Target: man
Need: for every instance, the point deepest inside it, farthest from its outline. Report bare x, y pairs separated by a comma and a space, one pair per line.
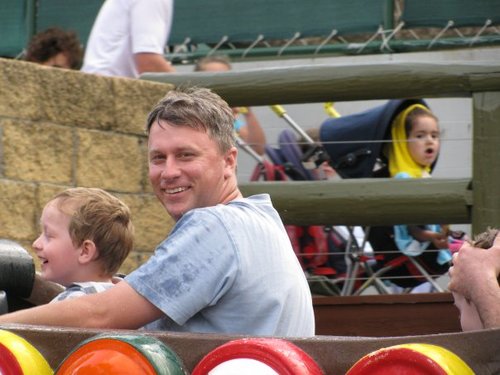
226, 267
128, 38
474, 275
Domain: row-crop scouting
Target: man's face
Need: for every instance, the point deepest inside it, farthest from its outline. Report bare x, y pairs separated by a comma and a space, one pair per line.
187, 169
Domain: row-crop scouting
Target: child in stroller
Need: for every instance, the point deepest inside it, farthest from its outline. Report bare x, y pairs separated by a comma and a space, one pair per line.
321, 249
412, 153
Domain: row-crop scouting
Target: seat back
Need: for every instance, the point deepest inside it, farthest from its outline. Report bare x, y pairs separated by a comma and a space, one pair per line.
292, 156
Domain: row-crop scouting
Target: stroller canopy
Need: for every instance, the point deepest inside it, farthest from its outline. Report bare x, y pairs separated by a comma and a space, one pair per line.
354, 142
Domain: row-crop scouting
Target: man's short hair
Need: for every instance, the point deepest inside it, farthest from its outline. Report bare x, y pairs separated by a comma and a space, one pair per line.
198, 108
485, 239
220, 59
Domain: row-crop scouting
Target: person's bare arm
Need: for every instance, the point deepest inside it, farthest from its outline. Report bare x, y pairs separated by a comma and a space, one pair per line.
152, 62
252, 133
440, 240
117, 307
474, 274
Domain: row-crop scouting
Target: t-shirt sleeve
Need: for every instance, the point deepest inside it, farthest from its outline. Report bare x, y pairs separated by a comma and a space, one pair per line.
151, 21
192, 269
70, 293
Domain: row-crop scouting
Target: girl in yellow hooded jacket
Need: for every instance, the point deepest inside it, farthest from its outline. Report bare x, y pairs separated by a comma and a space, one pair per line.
414, 149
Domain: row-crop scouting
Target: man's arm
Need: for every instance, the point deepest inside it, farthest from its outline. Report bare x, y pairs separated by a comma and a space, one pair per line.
152, 62
119, 307
474, 274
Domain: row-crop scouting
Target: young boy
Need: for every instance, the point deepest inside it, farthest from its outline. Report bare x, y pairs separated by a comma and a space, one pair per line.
469, 316
86, 234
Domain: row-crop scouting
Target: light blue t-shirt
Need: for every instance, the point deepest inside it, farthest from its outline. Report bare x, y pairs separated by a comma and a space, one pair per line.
409, 245
228, 269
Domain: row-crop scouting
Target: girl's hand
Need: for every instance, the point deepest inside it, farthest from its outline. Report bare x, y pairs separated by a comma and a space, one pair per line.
440, 240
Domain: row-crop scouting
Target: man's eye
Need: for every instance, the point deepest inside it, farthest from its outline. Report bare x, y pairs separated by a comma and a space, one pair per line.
156, 158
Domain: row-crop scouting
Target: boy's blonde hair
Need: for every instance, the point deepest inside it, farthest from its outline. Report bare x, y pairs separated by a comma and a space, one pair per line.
102, 218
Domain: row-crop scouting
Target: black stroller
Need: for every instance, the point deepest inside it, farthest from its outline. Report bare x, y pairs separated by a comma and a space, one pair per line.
321, 249
354, 144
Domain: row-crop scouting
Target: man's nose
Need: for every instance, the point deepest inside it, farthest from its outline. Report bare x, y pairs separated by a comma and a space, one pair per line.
170, 169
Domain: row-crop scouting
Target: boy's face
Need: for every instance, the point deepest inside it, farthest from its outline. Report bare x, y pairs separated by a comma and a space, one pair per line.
187, 169
54, 248
469, 317
423, 141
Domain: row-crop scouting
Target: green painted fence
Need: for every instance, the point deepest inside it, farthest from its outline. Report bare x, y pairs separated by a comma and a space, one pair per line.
377, 201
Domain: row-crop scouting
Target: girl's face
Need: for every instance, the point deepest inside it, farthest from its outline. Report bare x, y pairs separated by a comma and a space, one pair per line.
423, 141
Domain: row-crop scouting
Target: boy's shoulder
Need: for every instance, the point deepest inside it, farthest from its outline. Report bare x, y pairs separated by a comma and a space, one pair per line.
82, 288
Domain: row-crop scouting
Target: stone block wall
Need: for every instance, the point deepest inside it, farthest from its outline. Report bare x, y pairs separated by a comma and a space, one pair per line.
60, 129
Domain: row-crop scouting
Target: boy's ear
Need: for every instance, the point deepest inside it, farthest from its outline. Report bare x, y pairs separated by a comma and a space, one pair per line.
88, 252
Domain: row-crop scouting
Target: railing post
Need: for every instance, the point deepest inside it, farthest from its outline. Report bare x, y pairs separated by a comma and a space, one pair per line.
389, 15
486, 161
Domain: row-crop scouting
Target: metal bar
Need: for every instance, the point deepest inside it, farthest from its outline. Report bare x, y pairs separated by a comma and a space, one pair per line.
329, 82
377, 201
486, 163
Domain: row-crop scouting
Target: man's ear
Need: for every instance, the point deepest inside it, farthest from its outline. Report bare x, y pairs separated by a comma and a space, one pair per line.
230, 159
88, 252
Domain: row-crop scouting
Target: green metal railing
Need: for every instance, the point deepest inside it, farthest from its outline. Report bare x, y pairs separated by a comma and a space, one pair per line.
263, 29
377, 201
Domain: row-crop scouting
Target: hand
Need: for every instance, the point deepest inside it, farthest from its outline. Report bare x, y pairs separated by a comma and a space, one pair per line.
474, 275
440, 240
475, 268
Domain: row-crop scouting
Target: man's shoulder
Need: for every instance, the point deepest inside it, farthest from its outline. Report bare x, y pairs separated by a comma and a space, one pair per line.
253, 200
